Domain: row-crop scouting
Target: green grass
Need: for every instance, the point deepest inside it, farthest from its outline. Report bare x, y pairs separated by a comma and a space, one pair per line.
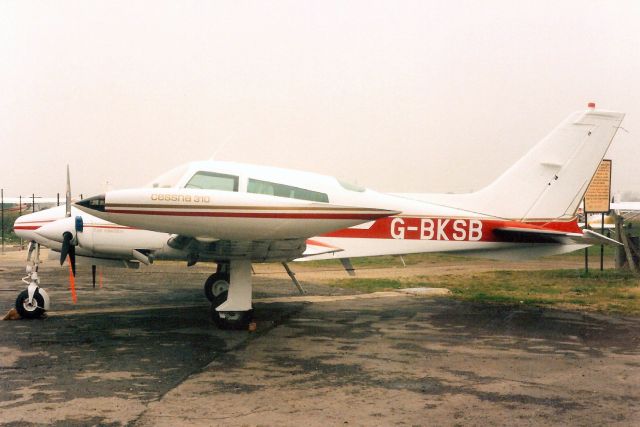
9, 219
608, 291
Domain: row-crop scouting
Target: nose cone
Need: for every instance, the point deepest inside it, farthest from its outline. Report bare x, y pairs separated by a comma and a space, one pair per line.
95, 203
24, 227
54, 230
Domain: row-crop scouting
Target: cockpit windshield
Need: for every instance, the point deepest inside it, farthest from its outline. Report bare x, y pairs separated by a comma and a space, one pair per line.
168, 179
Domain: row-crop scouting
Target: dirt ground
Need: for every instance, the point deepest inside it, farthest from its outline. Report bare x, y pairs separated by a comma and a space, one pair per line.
142, 350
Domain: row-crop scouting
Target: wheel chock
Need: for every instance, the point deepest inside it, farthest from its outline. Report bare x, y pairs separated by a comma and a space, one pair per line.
12, 315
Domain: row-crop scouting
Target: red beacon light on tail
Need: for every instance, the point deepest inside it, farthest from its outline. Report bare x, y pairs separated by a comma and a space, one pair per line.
591, 105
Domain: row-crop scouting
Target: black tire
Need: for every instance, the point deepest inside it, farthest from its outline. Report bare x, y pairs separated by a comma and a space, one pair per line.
233, 320
219, 299
211, 291
29, 311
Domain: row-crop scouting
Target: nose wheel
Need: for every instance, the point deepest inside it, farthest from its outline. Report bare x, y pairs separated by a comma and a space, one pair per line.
30, 308
33, 301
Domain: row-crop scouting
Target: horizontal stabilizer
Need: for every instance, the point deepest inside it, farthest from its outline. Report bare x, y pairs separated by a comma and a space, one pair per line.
599, 239
529, 235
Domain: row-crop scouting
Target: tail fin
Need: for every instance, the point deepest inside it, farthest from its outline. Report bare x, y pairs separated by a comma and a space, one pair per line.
551, 179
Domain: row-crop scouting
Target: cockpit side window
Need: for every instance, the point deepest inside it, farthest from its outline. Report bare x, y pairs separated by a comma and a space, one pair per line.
213, 181
281, 190
169, 179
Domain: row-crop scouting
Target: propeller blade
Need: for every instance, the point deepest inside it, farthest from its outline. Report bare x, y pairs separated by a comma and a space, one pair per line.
68, 195
72, 259
66, 246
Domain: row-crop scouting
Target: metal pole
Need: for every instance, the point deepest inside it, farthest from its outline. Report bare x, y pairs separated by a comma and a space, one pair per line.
58, 203
33, 202
602, 246
20, 214
2, 220
586, 225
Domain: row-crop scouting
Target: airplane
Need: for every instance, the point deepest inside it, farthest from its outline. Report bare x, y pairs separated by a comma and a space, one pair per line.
85, 239
235, 214
628, 210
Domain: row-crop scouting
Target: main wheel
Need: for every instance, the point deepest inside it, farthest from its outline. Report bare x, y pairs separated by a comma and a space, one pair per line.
216, 287
236, 320
30, 310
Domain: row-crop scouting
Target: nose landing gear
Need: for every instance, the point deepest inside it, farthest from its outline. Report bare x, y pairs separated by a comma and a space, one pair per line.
33, 301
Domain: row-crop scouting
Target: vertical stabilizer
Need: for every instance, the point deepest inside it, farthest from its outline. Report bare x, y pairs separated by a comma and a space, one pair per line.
550, 180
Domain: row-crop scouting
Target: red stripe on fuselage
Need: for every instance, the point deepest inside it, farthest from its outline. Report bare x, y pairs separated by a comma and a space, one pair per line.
452, 229
271, 215
116, 227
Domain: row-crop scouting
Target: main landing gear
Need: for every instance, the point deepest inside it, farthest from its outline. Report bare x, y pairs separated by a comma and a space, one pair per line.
33, 301
229, 289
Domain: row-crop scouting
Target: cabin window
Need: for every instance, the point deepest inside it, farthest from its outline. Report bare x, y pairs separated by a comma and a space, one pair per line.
281, 190
213, 181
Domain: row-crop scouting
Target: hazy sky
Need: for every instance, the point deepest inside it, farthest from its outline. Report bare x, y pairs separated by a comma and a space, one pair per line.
396, 95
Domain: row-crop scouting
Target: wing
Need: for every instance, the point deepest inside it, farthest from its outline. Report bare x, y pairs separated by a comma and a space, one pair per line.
629, 210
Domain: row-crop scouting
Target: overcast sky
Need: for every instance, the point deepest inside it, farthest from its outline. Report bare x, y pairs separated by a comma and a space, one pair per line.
397, 95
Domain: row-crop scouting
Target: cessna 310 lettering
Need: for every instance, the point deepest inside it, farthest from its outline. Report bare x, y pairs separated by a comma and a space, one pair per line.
235, 214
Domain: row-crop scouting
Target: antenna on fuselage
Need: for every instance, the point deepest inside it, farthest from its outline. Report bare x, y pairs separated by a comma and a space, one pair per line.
222, 145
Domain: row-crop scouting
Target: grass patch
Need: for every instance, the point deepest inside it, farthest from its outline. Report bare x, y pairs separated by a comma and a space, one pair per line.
9, 219
609, 291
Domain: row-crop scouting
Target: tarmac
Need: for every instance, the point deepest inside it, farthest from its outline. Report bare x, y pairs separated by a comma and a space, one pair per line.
142, 351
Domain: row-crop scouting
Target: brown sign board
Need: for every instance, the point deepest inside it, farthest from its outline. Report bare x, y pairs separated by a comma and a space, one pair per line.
598, 195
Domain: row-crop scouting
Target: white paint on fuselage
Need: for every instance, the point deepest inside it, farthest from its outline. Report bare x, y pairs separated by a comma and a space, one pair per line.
102, 238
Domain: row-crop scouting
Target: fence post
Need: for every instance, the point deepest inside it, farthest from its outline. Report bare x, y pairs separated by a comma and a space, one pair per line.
2, 215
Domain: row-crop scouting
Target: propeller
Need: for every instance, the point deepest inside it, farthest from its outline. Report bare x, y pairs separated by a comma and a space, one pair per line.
68, 250
68, 246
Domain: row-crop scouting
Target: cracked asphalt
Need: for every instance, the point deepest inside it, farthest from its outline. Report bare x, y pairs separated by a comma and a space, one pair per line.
142, 351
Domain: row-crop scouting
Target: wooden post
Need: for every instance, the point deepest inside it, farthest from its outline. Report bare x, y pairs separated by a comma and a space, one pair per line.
620, 253
627, 249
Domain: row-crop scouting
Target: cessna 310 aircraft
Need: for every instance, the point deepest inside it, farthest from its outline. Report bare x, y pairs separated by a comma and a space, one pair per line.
235, 214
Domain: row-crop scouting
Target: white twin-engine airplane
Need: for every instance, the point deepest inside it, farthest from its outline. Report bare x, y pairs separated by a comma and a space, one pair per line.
235, 214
